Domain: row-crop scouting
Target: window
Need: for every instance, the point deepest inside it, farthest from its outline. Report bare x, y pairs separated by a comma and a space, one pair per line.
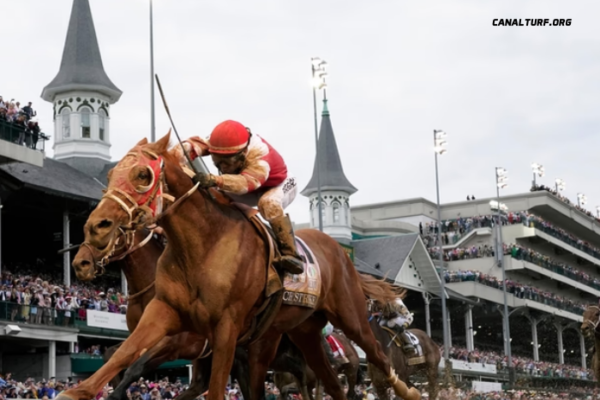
101, 119
85, 123
323, 208
66, 123
336, 213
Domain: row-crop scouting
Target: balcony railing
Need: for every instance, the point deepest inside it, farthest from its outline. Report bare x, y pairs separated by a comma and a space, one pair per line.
17, 134
28, 314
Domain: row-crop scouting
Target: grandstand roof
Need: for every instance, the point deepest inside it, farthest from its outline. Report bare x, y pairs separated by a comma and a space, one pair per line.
365, 268
56, 178
401, 258
81, 66
387, 252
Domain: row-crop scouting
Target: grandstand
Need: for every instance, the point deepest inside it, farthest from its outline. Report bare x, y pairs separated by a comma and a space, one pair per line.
551, 247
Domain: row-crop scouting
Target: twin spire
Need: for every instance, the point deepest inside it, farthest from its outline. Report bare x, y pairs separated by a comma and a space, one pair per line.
330, 165
81, 66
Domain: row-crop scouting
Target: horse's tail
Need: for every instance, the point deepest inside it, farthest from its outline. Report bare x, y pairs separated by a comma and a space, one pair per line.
380, 290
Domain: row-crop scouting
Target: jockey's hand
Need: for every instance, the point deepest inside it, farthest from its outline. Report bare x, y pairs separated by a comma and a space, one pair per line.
206, 180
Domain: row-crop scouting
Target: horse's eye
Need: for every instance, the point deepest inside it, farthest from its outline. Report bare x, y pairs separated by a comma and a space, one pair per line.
143, 175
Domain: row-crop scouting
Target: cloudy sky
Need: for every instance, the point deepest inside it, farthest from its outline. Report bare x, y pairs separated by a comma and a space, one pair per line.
506, 96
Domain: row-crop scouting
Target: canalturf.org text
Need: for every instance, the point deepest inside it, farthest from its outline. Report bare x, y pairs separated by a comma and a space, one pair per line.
531, 22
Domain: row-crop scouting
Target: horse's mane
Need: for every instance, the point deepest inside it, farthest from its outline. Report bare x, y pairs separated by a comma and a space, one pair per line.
380, 290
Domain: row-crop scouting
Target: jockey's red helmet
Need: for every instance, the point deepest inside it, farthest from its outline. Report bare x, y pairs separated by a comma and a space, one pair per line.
229, 137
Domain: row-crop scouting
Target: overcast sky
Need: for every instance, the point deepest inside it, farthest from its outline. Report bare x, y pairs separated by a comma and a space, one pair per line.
506, 96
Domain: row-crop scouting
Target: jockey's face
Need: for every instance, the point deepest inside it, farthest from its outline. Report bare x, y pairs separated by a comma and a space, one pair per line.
231, 163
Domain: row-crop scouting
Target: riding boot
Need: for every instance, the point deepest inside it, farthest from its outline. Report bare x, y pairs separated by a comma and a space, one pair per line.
290, 260
408, 348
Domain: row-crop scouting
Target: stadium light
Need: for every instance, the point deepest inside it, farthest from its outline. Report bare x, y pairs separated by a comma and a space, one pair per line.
560, 185
152, 115
439, 141
318, 82
581, 199
538, 170
438, 144
501, 178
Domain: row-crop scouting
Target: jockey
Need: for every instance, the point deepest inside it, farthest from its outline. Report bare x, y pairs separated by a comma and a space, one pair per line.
397, 317
333, 347
253, 173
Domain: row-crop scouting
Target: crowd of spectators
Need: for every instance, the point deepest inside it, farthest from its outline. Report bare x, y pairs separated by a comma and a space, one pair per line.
19, 124
540, 188
33, 296
454, 229
530, 394
50, 389
521, 291
534, 257
522, 365
519, 253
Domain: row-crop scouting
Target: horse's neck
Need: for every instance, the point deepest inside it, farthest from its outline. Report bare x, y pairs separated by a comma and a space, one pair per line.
198, 214
139, 268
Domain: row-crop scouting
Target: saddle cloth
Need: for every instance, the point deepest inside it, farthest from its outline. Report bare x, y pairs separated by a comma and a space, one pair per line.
336, 347
419, 358
303, 289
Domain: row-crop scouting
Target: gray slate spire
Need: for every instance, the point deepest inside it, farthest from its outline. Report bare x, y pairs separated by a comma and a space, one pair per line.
330, 165
81, 67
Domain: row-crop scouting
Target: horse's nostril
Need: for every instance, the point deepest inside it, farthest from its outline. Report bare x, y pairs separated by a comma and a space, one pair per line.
105, 223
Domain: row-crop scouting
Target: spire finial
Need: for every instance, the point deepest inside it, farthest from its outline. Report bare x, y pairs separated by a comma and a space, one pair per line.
325, 112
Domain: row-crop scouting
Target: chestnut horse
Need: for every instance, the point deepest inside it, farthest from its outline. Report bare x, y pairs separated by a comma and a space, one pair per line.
431, 352
134, 253
211, 279
590, 330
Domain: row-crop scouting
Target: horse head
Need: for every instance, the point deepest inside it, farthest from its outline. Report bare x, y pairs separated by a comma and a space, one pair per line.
84, 263
591, 320
133, 196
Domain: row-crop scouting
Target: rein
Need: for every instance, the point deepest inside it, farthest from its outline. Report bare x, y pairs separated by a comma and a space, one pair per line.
108, 254
593, 324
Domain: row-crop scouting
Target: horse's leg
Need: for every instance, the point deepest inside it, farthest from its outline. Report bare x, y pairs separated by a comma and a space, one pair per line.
114, 382
147, 363
432, 378
308, 339
260, 355
224, 338
158, 320
241, 372
200, 376
352, 319
351, 376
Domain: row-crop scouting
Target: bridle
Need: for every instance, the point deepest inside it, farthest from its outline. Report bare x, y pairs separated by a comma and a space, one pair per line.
123, 240
593, 324
150, 204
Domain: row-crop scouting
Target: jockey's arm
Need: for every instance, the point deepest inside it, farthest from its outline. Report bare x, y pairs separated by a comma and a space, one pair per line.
196, 146
249, 180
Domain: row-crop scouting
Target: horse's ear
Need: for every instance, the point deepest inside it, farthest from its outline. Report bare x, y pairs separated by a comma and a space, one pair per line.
142, 142
163, 143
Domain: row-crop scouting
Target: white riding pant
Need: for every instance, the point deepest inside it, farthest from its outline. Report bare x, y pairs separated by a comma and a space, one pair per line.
400, 320
270, 201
